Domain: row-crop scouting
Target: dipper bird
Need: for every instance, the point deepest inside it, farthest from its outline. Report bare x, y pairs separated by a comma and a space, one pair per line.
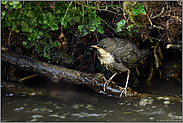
119, 55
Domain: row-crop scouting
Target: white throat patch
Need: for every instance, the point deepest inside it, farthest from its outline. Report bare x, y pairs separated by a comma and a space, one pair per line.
107, 58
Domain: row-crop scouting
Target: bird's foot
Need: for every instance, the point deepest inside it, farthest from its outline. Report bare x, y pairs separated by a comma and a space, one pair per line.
123, 91
106, 82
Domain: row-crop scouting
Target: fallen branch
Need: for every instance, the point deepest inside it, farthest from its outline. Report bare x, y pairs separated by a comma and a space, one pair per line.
58, 74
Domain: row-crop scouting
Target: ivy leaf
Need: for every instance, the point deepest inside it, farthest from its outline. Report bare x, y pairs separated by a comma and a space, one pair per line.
41, 17
33, 21
30, 14
31, 37
25, 26
120, 25
83, 30
24, 43
13, 2
77, 19
18, 6
44, 26
2, 13
55, 43
100, 29
4, 2
54, 26
69, 16
49, 15
140, 10
92, 28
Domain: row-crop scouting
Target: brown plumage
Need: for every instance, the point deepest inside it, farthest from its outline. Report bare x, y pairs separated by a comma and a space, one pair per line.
119, 55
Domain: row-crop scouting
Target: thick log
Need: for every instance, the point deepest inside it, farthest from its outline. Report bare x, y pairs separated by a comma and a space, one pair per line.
58, 74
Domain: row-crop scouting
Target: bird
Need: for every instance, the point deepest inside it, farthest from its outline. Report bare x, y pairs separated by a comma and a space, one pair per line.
119, 55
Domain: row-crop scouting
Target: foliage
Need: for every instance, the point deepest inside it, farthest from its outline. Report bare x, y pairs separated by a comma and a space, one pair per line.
139, 9
33, 18
128, 29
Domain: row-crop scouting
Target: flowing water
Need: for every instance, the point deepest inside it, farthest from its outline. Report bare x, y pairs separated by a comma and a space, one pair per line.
83, 104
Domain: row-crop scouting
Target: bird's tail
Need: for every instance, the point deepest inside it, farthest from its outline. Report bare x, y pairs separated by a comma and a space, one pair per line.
144, 53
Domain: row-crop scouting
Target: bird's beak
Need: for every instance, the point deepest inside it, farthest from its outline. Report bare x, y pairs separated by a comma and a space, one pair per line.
95, 46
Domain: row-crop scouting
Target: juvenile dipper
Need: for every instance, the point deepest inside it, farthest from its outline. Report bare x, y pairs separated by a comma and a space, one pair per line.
119, 55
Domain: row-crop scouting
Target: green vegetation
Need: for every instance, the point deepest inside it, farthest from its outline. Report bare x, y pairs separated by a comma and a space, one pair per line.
34, 18
127, 28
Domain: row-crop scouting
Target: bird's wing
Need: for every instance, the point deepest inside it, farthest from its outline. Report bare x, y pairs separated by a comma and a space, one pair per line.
127, 53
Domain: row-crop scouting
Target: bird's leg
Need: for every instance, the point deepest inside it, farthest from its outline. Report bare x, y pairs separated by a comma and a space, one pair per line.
128, 75
108, 81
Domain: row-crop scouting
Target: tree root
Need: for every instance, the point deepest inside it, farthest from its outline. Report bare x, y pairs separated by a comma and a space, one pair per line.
58, 74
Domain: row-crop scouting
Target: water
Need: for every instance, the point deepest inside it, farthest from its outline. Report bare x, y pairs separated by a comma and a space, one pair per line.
82, 104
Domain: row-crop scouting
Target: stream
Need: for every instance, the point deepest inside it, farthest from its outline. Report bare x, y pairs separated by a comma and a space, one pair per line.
79, 103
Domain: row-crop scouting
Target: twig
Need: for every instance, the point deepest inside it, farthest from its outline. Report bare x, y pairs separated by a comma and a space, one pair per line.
27, 77
158, 14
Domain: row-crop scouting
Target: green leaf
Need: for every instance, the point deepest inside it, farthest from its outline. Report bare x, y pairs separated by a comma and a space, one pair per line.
129, 27
45, 22
12, 16
31, 37
140, 10
4, 2
135, 12
14, 26
41, 17
39, 34
83, 30
16, 30
47, 57
100, 29
55, 43
38, 48
14, 2
24, 43
31, 30
81, 27
92, 28
57, 11
2, 14
24, 29
71, 23
120, 25
69, 16
77, 19
18, 6
25, 26
30, 14
44, 26
54, 26
49, 15
94, 21
33, 22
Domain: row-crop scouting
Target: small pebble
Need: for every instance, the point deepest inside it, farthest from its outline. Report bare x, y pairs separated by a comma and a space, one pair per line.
54, 115
62, 117
144, 102
159, 98
167, 98
151, 118
37, 116
166, 102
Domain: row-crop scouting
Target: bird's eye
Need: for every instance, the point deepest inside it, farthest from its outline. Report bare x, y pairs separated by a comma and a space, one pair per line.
104, 46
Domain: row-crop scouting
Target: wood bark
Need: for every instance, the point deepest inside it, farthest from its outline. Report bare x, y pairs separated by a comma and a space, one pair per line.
59, 74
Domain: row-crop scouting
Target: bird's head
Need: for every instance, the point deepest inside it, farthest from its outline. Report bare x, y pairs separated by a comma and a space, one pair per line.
106, 45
